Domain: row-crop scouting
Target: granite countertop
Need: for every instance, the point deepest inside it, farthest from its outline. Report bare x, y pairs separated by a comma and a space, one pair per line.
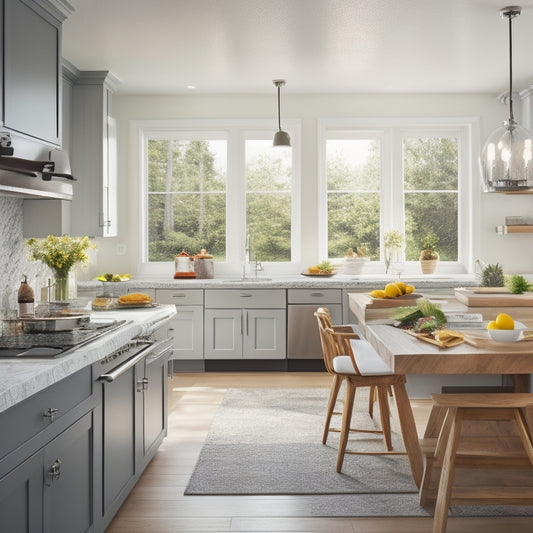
21, 378
338, 281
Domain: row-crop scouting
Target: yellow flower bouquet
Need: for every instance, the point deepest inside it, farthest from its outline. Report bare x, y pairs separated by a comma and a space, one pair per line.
60, 254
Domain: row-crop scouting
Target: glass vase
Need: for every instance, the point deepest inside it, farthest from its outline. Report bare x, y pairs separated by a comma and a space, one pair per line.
61, 287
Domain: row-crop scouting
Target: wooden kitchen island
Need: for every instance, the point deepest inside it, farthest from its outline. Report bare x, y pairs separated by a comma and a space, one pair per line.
408, 355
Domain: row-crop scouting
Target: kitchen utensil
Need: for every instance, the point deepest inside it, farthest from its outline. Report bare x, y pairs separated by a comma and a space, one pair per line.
54, 323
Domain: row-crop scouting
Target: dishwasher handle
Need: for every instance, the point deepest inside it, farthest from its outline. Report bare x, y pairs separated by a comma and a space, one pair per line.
124, 367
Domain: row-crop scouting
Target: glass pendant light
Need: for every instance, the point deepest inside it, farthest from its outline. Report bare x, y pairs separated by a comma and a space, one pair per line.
281, 138
506, 157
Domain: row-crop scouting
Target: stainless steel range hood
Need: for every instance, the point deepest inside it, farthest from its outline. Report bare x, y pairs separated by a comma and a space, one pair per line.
27, 178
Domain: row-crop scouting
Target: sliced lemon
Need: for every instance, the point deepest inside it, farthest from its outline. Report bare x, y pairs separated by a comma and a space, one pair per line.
378, 294
401, 285
409, 289
392, 290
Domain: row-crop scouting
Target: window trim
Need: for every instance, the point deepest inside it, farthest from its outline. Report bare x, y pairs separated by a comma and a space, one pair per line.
393, 130
236, 132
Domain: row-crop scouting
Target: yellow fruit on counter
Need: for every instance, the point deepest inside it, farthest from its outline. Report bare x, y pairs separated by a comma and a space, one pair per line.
392, 290
313, 270
409, 289
401, 285
504, 321
378, 294
492, 325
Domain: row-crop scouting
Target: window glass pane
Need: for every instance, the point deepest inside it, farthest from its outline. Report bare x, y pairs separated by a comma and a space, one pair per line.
268, 200
431, 195
353, 172
186, 198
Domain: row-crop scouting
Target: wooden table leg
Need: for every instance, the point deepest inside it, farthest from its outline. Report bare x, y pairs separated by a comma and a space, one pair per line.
409, 433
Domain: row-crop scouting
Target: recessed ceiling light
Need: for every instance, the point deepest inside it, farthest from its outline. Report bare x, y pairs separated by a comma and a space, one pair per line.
191, 87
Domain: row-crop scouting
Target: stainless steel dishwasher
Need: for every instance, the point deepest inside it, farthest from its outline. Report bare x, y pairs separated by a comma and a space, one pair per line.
303, 340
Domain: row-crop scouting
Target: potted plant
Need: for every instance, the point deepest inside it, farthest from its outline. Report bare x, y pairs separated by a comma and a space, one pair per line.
429, 256
393, 241
354, 261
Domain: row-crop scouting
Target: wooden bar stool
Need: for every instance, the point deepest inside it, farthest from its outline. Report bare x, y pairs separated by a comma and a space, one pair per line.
482, 432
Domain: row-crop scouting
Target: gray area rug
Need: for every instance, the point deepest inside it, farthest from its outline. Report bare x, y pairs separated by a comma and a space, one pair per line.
268, 441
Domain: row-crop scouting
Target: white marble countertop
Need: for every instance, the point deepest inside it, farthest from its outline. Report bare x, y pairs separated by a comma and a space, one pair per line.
338, 281
21, 378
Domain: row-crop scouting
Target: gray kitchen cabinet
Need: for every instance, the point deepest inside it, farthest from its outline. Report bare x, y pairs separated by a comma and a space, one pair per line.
245, 324
31, 56
187, 325
68, 480
94, 155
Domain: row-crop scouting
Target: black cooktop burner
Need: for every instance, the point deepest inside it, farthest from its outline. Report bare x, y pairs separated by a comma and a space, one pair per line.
50, 345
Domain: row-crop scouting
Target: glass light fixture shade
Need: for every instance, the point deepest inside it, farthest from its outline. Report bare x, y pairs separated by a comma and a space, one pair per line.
281, 138
506, 159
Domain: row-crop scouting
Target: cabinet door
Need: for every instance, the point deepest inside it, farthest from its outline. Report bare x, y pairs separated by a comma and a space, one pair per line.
154, 388
119, 435
68, 470
264, 334
21, 497
187, 328
32, 43
223, 334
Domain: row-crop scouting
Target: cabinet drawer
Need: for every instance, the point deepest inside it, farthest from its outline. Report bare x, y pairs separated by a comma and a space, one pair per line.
312, 296
242, 298
179, 297
26, 419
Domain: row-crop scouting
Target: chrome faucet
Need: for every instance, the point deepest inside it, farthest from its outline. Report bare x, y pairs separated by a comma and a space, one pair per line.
251, 258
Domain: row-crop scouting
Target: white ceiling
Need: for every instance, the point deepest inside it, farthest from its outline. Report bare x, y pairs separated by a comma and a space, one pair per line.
318, 46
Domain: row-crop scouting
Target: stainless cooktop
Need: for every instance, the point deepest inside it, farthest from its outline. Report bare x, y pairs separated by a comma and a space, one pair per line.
55, 344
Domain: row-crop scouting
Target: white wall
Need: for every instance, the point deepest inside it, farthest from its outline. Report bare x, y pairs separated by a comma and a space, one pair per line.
514, 251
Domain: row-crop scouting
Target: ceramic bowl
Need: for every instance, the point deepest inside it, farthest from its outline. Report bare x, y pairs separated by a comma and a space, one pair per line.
506, 335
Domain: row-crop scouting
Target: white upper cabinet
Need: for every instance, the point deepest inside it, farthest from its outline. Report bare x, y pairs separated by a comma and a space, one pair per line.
31, 54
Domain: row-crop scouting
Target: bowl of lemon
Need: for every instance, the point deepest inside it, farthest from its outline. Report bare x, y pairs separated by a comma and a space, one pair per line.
505, 329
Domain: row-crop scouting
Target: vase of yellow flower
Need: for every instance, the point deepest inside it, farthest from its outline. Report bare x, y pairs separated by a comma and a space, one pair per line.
60, 254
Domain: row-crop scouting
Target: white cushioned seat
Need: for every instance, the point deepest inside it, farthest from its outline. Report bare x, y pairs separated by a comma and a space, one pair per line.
367, 359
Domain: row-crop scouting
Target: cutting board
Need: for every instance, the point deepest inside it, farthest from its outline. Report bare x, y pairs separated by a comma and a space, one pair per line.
387, 303
492, 297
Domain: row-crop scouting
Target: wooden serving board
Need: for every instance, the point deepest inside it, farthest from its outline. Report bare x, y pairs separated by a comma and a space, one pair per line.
477, 298
428, 338
387, 303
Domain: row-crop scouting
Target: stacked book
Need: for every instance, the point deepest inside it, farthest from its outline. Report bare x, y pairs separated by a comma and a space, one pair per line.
456, 321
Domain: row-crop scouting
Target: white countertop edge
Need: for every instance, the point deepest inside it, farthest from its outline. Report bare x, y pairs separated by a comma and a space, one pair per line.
21, 378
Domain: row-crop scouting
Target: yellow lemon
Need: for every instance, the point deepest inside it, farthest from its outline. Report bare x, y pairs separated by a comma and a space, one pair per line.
378, 294
409, 289
313, 270
492, 325
504, 321
401, 285
392, 290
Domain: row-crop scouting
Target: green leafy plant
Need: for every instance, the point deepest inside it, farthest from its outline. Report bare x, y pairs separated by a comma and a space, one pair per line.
517, 284
429, 247
325, 267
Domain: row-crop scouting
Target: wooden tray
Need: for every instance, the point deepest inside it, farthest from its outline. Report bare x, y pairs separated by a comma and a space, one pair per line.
428, 338
399, 301
474, 297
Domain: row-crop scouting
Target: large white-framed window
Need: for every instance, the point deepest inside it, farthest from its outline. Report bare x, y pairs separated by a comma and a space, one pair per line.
411, 175
222, 186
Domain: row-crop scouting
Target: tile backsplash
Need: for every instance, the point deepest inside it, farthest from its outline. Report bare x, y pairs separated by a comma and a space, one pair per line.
13, 257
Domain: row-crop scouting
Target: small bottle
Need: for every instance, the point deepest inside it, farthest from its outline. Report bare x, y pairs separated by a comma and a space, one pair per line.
26, 299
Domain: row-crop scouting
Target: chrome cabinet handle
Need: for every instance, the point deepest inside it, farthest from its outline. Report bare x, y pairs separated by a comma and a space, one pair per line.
142, 384
317, 294
245, 295
50, 413
54, 472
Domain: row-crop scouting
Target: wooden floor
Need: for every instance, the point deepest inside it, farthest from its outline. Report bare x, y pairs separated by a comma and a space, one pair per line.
157, 503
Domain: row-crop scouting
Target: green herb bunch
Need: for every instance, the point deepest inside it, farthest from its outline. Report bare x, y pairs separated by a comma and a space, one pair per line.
409, 316
518, 284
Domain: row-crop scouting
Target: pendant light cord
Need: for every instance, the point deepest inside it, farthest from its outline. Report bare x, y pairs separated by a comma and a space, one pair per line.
279, 111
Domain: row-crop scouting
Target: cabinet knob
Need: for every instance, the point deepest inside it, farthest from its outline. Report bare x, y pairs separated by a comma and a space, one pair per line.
54, 472
50, 413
